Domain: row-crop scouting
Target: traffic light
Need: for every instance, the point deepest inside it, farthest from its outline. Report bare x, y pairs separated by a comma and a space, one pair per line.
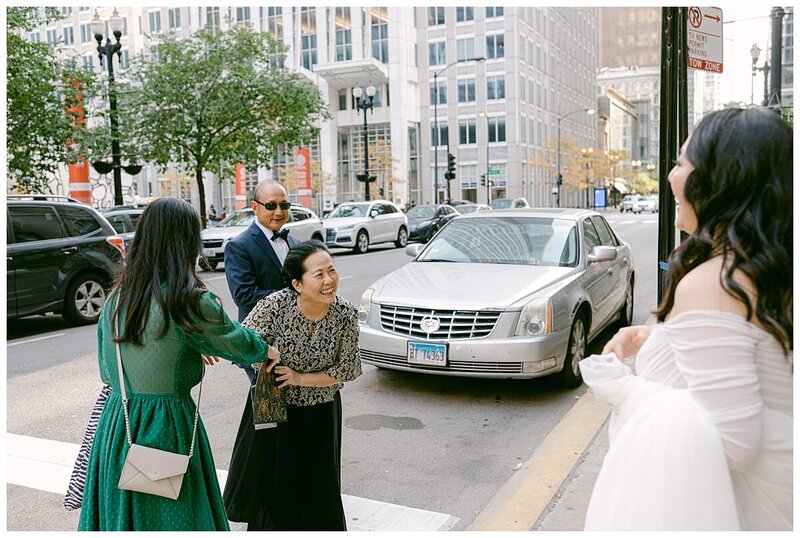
483, 180
380, 191
560, 180
451, 167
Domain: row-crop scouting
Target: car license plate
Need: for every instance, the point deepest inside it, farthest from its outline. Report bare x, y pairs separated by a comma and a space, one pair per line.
208, 253
427, 354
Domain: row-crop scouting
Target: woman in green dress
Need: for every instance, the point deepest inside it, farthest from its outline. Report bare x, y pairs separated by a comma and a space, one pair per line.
167, 321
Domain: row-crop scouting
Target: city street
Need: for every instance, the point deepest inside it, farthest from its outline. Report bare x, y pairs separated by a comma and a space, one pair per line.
442, 446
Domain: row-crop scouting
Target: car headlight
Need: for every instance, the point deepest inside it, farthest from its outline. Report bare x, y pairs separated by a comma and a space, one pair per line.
343, 228
536, 318
363, 307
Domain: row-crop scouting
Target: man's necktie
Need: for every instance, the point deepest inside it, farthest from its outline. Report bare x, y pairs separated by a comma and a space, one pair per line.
283, 234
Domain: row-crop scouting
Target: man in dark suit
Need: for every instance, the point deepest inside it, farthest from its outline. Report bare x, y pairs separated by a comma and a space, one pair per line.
254, 259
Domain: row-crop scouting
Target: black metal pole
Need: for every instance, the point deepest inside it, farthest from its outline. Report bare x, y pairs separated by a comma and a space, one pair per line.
436, 140
108, 50
366, 154
776, 63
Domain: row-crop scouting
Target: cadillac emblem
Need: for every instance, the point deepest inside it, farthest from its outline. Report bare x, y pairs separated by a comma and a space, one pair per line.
430, 325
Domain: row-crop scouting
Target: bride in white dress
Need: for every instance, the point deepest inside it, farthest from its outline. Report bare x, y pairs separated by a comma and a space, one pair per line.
701, 425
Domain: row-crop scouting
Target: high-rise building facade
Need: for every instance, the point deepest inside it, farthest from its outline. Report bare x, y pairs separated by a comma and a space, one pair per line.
498, 115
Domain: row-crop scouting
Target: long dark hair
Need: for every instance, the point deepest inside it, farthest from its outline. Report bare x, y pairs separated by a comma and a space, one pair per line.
160, 266
294, 265
741, 191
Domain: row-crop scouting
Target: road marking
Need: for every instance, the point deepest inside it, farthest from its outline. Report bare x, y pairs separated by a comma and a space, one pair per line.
46, 465
34, 339
518, 505
649, 221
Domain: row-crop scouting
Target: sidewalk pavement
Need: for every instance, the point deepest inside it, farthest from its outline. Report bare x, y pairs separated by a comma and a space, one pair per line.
567, 509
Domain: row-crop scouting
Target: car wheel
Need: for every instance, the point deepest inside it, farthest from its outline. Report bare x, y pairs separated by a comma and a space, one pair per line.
362, 242
317, 237
84, 299
402, 237
570, 376
208, 265
626, 313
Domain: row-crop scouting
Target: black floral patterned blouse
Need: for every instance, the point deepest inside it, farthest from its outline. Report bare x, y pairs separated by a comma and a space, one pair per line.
332, 346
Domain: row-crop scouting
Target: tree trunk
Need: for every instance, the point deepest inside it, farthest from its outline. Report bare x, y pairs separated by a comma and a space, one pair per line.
201, 193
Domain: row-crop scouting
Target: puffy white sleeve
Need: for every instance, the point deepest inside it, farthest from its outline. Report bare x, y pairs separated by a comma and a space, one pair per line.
716, 352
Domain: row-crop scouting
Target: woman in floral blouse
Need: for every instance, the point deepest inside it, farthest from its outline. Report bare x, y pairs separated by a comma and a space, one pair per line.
289, 477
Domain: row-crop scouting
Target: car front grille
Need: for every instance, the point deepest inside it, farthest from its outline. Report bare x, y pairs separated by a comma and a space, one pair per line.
330, 235
453, 324
452, 366
212, 243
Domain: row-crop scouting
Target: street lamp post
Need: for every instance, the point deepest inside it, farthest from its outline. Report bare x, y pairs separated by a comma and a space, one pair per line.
365, 102
589, 111
107, 51
436, 122
755, 52
587, 154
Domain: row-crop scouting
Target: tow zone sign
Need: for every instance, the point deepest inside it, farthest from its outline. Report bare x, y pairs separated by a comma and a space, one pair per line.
704, 38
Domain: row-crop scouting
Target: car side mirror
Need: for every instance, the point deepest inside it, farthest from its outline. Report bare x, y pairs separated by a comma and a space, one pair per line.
414, 249
373, 213
602, 254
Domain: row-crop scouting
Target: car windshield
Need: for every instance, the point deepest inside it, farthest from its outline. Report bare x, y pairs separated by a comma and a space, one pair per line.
464, 209
506, 240
349, 210
501, 204
240, 218
421, 212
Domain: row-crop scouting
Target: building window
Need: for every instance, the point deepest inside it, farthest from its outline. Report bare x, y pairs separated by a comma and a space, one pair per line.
308, 43
36, 37
243, 15
275, 22
88, 62
436, 53
52, 37
494, 12
468, 174
466, 131
465, 48
497, 128
174, 16
435, 16
496, 87
212, 18
344, 38
343, 99
66, 11
69, 35
155, 21
495, 46
125, 61
380, 33
86, 33
442, 139
442, 93
466, 90
465, 14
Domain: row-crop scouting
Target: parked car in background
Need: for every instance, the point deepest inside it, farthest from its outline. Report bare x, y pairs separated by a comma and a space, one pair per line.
628, 203
472, 208
501, 294
509, 203
124, 218
425, 220
62, 257
303, 225
646, 203
455, 203
358, 225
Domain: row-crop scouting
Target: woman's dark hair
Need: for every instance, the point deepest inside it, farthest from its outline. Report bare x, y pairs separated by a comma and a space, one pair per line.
294, 264
160, 266
741, 192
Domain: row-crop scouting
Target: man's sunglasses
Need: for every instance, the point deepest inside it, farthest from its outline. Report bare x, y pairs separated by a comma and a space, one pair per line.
271, 206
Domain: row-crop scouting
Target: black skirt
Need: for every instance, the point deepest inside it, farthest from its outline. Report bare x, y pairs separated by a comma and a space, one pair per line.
288, 478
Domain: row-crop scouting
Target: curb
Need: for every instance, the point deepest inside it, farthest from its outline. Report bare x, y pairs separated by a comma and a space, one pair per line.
522, 500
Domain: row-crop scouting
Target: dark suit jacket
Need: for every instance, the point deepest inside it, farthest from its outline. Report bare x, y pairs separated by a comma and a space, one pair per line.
252, 268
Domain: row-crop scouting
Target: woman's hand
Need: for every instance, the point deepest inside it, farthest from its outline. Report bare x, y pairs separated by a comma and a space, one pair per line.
210, 360
285, 376
627, 341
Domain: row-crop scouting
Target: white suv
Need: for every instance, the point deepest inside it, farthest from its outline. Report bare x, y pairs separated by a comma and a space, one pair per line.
358, 225
646, 203
304, 224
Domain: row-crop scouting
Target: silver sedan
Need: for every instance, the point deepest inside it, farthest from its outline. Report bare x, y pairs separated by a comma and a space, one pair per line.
513, 293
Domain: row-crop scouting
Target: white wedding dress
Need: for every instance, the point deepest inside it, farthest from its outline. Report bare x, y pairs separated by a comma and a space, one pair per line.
701, 435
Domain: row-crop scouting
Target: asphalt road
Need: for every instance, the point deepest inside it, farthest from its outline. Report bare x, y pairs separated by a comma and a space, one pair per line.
434, 443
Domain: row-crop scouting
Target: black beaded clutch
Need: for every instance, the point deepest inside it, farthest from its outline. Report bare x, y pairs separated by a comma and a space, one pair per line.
269, 402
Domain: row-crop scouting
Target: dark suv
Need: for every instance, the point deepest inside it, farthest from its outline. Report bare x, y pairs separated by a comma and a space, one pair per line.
62, 256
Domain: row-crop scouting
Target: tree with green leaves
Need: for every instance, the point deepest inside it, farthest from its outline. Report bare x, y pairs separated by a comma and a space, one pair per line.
208, 101
41, 90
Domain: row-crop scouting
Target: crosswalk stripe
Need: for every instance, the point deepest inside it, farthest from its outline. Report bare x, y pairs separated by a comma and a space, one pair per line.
46, 465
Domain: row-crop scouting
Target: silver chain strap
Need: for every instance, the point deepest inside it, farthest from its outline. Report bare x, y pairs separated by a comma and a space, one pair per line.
125, 395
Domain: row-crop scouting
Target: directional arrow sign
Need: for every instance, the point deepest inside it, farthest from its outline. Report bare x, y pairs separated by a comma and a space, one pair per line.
704, 38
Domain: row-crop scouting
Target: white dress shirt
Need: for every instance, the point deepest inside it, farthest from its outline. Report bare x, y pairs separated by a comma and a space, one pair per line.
280, 246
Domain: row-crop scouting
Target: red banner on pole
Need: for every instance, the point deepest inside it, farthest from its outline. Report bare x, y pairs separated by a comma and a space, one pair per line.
302, 162
241, 193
